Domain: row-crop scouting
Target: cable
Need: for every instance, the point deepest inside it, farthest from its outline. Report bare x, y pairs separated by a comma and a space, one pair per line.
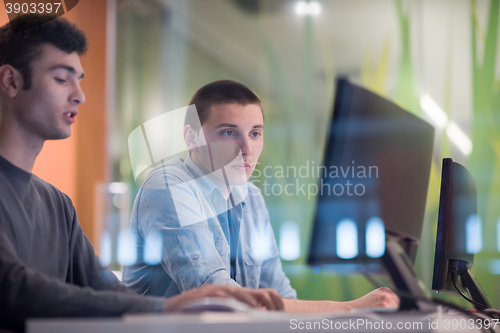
454, 280
474, 315
493, 313
454, 274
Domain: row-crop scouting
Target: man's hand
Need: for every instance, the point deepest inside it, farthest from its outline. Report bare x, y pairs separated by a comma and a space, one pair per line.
257, 298
378, 298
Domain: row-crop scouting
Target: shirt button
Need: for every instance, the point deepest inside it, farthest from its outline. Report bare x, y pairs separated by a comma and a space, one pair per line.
223, 220
195, 257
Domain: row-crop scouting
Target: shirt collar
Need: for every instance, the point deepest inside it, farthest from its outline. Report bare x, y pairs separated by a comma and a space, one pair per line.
207, 186
240, 193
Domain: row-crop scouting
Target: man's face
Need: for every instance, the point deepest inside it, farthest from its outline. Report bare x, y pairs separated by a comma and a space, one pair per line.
49, 107
234, 134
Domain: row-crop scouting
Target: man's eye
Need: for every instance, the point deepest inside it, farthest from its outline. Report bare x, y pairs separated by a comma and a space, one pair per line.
228, 133
256, 134
58, 80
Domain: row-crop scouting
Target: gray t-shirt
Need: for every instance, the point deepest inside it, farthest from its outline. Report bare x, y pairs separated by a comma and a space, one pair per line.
48, 267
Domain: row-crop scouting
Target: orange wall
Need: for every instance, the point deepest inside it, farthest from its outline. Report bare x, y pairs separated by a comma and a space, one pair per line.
3, 16
91, 16
56, 164
76, 165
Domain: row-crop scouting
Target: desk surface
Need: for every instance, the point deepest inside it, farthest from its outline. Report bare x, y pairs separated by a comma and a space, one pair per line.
264, 322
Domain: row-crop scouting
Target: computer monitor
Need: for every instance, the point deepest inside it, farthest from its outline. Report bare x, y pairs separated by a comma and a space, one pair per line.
373, 187
457, 221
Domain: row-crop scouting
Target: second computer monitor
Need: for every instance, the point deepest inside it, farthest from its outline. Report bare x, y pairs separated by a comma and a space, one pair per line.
458, 235
374, 179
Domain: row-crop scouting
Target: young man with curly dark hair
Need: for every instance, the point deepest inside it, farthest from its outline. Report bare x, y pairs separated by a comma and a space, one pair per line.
48, 267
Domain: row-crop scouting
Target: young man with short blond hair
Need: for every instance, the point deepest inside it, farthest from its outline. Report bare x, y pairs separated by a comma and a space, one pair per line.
213, 223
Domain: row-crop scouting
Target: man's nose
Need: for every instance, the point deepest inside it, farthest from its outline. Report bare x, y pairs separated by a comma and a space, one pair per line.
78, 97
245, 146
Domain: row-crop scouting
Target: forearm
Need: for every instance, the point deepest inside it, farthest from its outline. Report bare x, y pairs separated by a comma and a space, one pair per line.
379, 298
25, 292
301, 306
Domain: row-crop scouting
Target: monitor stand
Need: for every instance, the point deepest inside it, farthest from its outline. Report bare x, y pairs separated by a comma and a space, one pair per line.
412, 292
470, 284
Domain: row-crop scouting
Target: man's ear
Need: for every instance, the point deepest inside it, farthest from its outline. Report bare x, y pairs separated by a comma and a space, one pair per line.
190, 137
11, 80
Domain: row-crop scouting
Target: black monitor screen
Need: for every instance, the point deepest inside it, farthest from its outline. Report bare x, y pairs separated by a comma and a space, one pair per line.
374, 179
457, 214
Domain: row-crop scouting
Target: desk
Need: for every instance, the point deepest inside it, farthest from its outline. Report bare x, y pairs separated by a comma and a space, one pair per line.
261, 322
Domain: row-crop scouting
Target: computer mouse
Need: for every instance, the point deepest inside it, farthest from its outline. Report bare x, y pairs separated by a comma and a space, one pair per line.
214, 304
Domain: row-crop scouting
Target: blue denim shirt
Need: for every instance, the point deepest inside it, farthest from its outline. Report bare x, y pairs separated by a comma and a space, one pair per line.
196, 226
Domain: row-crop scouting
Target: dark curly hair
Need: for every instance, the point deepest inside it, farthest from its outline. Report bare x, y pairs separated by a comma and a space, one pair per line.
21, 39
